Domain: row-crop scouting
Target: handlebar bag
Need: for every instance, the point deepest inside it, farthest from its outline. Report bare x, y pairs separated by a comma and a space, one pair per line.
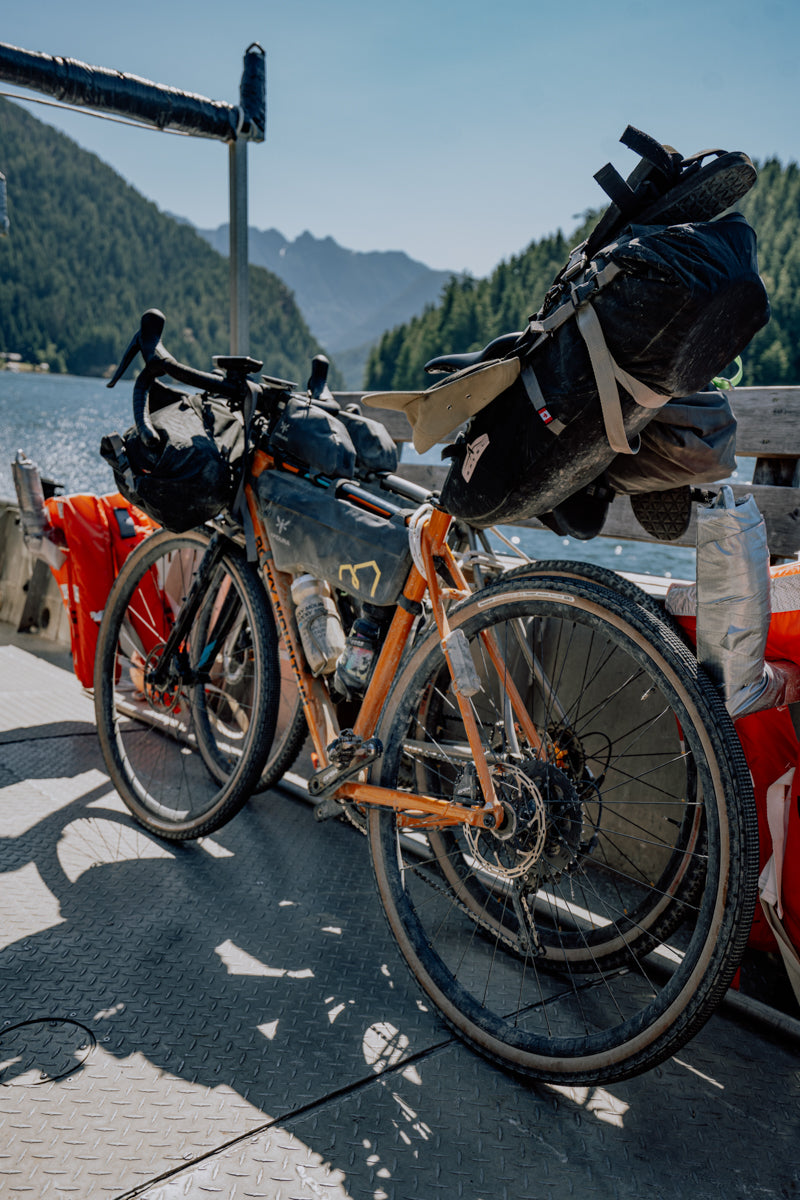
374, 445
307, 433
653, 316
192, 475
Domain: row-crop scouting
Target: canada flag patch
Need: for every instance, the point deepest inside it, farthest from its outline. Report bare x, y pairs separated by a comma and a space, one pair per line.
546, 415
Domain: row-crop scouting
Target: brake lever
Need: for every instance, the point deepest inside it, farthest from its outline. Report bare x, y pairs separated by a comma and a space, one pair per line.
146, 341
317, 385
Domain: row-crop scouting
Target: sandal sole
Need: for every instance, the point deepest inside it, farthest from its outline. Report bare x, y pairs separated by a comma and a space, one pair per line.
706, 194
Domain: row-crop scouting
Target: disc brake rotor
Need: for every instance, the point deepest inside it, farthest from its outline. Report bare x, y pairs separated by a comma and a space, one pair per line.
514, 848
541, 834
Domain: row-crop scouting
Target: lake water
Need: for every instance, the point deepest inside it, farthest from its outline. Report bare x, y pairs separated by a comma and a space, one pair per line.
58, 420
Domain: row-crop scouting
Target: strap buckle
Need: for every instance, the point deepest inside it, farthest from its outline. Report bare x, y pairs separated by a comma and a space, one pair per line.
576, 263
581, 293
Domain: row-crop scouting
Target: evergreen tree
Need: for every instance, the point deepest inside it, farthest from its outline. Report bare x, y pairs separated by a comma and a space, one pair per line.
86, 255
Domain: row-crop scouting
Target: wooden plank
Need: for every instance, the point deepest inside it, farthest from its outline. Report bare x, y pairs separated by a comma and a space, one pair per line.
396, 422
431, 477
779, 506
766, 420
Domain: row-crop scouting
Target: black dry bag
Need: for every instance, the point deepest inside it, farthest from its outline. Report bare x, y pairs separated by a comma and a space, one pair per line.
654, 315
193, 473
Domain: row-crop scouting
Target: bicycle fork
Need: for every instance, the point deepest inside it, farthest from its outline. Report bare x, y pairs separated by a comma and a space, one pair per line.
173, 651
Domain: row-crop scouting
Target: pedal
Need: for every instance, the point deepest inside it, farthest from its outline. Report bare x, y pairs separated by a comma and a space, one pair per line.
359, 755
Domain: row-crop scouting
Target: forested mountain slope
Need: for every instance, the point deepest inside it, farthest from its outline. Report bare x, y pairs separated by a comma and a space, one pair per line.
347, 296
473, 312
87, 254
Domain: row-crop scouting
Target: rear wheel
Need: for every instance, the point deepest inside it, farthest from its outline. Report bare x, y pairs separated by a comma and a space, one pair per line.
186, 742
688, 881
590, 935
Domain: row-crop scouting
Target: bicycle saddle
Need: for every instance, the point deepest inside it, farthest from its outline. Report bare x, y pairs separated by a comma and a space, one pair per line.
445, 364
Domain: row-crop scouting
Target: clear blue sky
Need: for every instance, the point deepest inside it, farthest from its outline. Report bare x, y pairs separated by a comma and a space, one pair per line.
457, 132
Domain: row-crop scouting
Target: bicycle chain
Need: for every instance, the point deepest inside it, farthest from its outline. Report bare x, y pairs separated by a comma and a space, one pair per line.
449, 894
436, 754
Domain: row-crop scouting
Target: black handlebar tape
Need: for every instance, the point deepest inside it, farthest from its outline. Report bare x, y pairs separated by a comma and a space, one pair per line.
206, 381
151, 328
141, 405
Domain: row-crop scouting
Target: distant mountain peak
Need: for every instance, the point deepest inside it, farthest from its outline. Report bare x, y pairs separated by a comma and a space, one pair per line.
349, 298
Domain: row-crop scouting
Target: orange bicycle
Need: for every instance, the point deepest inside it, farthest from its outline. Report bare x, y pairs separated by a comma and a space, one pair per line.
558, 810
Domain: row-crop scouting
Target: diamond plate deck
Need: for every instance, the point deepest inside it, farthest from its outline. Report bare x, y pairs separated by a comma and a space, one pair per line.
230, 1018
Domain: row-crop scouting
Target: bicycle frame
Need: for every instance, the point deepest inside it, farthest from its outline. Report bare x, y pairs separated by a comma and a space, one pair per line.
415, 810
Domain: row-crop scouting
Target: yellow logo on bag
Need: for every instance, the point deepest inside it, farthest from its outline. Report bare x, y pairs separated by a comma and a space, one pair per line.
352, 570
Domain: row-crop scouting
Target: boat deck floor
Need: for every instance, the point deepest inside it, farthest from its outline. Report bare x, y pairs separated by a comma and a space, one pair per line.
230, 1018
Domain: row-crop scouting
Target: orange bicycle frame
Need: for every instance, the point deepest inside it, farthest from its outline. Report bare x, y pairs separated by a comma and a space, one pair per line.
414, 809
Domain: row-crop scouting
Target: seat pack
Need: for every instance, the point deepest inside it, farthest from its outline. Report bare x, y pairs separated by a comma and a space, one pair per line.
653, 316
662, 295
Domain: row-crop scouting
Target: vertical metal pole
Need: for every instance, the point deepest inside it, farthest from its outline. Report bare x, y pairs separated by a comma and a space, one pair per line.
240, 297
3, 207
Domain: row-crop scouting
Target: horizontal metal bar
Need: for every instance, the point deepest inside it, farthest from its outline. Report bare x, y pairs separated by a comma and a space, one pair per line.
163, 107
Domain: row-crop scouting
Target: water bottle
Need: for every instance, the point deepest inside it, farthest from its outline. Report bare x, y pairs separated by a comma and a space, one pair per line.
30, 496
37, 531
361, 648
318, 622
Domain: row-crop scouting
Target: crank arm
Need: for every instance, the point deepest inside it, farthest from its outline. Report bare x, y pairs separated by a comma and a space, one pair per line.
323, 783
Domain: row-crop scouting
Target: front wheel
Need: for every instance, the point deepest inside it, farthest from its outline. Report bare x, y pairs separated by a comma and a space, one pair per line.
185, 741
590, 935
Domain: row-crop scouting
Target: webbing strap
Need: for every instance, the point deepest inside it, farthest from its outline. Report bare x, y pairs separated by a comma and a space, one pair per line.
121, 456
606, 380
592, 280
663, 158
536, 397
641, 393
606, 374
618, 190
